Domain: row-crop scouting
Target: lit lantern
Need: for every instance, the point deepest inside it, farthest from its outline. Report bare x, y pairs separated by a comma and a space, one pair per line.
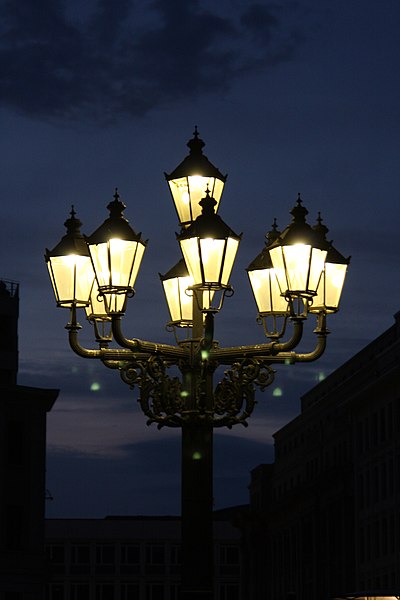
209, 248
331, 284
70, 267
116, 252
190, 180
264, 282
298, 257
180, 304
96, 309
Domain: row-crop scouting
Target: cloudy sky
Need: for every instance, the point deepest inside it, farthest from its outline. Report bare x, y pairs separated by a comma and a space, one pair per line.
289, 97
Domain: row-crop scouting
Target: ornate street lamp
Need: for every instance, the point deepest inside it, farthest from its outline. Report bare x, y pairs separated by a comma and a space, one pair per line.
70, 268
298, 257
116, 252
272, 306
190, 180
331, 283
177, 283
294, 266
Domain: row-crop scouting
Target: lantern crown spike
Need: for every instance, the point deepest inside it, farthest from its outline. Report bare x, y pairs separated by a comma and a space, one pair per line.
299, 211
321, 228
196, 144
273, 234
208, 204
116, 207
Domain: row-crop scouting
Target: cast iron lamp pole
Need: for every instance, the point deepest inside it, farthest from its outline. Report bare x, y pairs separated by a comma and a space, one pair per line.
297, 273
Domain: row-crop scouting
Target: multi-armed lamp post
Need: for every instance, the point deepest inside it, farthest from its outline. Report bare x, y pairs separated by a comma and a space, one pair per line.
297, 273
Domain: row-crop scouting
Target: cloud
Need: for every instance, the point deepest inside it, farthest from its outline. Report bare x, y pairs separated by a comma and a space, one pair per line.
59, 61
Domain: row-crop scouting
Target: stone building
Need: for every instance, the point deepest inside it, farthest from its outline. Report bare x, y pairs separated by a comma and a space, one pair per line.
325, 516
22, 465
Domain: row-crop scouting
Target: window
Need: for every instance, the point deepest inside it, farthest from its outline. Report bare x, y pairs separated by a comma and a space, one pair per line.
80, 559
155, 555
104, 591
55, 591
155, 591
130, 559
229, 591
80, 591
55, 557
80, 555
230, 555
105, 559
130, 591
55, 554
155, 559
229, 560
130, 554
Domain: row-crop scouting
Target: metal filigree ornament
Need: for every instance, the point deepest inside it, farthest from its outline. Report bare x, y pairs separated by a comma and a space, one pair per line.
164, 400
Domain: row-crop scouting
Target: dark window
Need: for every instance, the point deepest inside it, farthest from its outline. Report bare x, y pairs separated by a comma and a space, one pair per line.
130, 554
229, 591
105, 554
104, 591
80, 555
155, 591
155, 555
55, 591
130, 591
80, 591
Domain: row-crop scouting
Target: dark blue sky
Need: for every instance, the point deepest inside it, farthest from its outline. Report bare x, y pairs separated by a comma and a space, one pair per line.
289, 97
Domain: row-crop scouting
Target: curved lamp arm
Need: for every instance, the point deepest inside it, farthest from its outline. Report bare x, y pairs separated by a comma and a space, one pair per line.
234, 353
141, 346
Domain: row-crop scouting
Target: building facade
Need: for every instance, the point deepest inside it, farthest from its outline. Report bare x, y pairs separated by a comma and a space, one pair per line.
131, 558
325, 517
22, 465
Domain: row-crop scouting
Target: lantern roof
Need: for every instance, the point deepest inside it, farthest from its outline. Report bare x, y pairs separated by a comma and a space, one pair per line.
208, 224
263, 260
299, 231
178, 270
73, 242
333, 255
116, 226
196, 163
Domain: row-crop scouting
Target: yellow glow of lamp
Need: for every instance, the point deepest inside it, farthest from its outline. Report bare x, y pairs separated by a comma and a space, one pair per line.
70, 267
209, 248
264, 282
333, 276
298, 257
190, 180
96, 309
180, 304
116, 252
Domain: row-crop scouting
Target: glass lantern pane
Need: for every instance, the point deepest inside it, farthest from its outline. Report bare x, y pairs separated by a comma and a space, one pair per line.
97, 307
232, 246
190, 251
330, 288
72, 278
276, 255
186, 300
99, 255
180, 193
267, 292
297, 262
212, 253
179, 303
316, 267
188, 191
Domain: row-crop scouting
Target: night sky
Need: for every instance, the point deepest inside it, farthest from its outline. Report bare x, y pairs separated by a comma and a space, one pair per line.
289, 97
